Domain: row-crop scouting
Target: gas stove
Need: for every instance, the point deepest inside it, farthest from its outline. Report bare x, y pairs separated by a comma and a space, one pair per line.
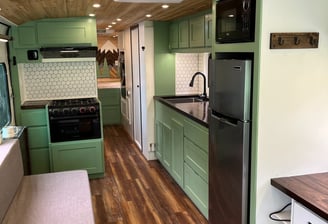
74, 119
73, 107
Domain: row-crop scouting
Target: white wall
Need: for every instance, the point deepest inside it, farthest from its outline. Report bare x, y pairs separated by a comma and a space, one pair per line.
293, 100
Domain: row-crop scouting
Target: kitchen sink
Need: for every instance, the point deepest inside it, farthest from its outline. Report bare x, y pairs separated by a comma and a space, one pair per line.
184, 99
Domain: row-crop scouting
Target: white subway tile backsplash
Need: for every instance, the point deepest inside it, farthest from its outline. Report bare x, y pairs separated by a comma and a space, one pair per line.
186, 65
58, 80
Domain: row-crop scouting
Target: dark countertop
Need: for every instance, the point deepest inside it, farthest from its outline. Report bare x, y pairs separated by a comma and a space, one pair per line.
37, 104
310, 190
196, 111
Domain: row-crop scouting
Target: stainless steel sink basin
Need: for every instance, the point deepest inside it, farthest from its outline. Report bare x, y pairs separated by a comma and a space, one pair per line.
191, 99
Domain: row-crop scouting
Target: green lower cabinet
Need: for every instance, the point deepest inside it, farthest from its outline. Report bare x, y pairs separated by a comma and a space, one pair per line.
196, 188
86, 154
110, 105
182, 148
167, 146
39, 160
177, 151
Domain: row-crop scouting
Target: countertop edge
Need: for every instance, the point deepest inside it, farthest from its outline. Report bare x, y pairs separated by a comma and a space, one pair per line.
283, 184
162, 100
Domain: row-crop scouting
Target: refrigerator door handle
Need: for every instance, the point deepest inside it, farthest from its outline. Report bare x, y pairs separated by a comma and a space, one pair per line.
224, 120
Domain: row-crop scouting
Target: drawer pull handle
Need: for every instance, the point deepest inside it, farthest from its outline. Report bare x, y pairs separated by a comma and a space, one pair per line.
309, 222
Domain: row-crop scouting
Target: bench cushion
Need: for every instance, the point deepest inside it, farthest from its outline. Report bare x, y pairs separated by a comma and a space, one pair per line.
54, 198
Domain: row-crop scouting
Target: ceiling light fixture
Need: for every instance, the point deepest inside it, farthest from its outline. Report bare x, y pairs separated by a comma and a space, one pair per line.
118, 19
96, 5
165, 6
150, 1
92, 14
5, 38
110, 26
113, 23
148, 15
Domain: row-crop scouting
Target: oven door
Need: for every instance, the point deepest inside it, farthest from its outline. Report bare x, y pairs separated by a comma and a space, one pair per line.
74, 128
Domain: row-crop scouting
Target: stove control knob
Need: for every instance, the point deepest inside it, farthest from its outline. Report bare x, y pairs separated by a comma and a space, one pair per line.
55, 112
82, 110
66, 111
92, 109
74, 110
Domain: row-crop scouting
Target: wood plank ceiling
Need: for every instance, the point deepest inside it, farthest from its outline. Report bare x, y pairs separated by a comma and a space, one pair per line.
21, 11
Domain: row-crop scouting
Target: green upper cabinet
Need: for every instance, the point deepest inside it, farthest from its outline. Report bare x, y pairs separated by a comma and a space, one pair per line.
174, 35
80, 31
208, 30
184, 34
192, 32
24, 37
196, 31
55, 32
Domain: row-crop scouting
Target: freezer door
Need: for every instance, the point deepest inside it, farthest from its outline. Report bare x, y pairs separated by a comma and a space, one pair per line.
230, 88
228, 171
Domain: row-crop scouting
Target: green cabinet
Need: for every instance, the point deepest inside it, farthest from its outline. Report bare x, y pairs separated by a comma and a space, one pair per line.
208, 30
24, 37
179, 34
110, 105
177, 150
174, 35
184, 34
73, 155
191, 32
197, 32
67, 32
182, 148
37, 135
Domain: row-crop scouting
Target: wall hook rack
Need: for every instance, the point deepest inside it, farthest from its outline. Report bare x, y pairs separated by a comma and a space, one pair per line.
294, 40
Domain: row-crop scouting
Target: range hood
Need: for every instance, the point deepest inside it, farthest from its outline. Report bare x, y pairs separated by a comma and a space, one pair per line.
63, 54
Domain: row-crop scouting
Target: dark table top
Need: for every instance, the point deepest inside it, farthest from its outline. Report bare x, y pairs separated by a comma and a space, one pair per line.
310, 190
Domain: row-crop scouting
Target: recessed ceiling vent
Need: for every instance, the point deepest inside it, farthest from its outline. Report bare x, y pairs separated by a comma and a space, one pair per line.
104, 31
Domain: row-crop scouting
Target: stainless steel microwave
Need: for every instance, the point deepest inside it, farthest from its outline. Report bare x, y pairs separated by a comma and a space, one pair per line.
235, 21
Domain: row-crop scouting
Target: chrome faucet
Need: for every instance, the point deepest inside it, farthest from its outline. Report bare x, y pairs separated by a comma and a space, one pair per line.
191, 84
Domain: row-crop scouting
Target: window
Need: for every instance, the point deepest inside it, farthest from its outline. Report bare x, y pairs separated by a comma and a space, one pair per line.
4, 97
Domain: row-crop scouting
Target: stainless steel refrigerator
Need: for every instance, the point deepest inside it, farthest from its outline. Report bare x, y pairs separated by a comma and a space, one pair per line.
230, 132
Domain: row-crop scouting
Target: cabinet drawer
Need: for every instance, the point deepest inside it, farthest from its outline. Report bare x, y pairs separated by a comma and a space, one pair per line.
86, 155
302, 215
197, 133
37, 137
39, 161
197, 189
196, 158
34, 117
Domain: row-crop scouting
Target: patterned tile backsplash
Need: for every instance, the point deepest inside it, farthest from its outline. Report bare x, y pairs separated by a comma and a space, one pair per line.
57, 80
186, 65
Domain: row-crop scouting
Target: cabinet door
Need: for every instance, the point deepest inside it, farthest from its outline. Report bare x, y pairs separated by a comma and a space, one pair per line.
184, 34
39, 160
33, 117
167, 146
87, 155
37, 137
66, 32
174, 35
177, 151
24, 37
197, 189
208, 30
196, 31
159, 138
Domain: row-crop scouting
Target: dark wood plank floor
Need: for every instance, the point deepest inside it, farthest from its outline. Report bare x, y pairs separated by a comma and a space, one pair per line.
137, 191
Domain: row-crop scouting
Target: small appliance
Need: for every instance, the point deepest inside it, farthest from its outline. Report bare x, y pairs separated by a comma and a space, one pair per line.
235, 21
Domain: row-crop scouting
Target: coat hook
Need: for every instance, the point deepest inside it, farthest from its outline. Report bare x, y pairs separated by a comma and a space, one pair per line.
313, 41
281, 41
297, 40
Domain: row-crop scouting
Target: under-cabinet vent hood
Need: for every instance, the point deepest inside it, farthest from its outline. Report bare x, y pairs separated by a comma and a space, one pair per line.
63, 54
